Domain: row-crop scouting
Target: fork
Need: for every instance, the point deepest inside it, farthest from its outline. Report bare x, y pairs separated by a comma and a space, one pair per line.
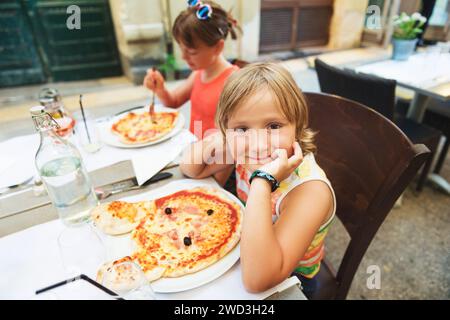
16, 187
152, 105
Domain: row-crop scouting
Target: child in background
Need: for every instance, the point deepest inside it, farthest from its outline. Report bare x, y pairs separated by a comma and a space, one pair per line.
289, 202
200, 30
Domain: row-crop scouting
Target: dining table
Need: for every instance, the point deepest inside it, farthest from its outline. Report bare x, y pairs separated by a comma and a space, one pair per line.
30, 227
427, 74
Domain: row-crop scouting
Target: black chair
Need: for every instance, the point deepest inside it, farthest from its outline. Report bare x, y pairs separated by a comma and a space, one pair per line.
438, 116
378, 94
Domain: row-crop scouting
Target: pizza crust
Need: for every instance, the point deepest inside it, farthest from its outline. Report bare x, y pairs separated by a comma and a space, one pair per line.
116, 218
155, 274
125, 281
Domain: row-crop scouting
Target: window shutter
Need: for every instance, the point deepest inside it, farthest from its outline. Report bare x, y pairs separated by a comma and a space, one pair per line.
288, 25
276, 29
313, 25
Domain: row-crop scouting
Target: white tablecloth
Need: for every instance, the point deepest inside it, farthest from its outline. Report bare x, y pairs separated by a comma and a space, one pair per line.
18, 155
423, 70
30, 260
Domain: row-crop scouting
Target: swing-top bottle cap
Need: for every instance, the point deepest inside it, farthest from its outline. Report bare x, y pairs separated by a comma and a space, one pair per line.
37, 110
49, 95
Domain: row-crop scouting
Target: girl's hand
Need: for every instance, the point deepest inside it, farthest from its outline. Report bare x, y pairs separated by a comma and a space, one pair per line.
154, 81
282, 167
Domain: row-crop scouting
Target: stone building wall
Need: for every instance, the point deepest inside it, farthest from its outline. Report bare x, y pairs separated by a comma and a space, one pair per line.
140, 30
347, 24
141, 25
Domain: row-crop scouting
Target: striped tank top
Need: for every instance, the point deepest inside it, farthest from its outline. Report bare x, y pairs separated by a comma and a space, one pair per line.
308, 170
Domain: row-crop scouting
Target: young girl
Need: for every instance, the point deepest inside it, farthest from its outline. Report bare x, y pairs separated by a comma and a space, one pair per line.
289, 202
200, 30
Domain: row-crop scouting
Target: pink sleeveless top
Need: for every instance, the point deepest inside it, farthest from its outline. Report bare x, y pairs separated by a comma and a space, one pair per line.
204, 100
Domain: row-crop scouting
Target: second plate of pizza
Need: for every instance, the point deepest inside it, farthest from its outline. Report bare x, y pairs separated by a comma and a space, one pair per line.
183, 235
137, 128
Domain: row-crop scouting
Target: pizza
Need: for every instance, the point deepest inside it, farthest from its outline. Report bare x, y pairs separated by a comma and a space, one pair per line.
119, 217
188, 231
138, 128
120, 275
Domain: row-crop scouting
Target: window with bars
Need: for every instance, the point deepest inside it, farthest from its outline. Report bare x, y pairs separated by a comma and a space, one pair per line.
36, 46
289, 25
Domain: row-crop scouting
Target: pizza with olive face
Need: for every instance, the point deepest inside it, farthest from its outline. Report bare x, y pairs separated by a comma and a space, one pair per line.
138, 128
186, 232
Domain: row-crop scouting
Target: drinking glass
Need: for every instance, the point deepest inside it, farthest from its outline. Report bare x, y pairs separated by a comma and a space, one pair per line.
87, 132
81, 250
128, 281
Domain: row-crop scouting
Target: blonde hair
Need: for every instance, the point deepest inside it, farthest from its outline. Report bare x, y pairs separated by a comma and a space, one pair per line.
267, 76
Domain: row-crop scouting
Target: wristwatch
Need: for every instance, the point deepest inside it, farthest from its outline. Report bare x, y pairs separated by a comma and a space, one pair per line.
270, 178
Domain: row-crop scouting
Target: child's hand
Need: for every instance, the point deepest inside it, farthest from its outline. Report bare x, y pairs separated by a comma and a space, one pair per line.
215, 150
154, 81
282, 167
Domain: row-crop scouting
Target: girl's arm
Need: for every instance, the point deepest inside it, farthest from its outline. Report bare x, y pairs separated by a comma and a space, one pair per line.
155, 81
206, 158
269, 253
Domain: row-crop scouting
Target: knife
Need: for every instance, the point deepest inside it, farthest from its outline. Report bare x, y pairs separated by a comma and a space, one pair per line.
103, 194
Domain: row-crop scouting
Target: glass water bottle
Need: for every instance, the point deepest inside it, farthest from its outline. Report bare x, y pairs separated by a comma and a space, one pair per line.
61, 169
52, 101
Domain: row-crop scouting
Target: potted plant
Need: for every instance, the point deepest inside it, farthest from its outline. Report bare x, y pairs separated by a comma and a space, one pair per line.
406, 29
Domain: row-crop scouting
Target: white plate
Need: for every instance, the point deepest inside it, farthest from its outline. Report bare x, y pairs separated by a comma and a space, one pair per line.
200, 278
113, 140
214, 271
